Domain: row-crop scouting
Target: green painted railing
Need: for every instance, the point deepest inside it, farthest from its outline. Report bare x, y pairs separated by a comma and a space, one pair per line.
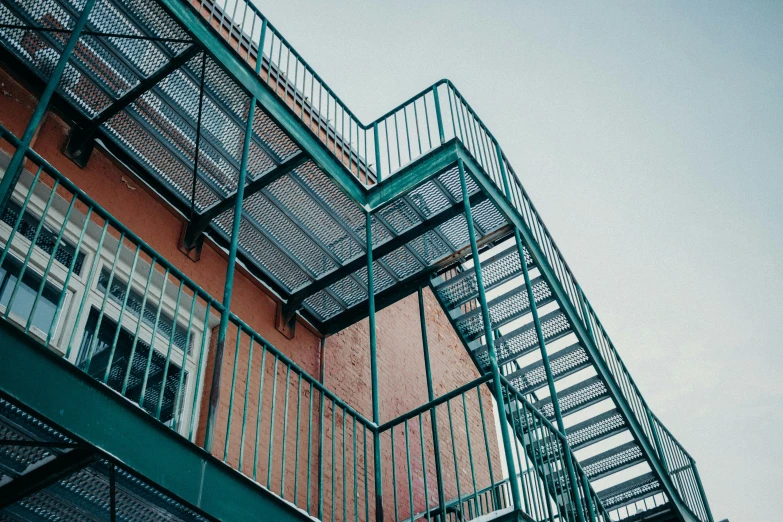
377, 150
78, 280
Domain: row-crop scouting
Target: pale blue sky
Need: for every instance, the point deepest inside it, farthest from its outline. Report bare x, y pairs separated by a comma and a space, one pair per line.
650, 136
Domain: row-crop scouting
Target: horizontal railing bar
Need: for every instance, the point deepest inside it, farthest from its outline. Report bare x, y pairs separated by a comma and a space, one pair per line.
435, 402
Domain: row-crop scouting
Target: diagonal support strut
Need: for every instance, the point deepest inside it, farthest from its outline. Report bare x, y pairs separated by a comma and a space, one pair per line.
80, 141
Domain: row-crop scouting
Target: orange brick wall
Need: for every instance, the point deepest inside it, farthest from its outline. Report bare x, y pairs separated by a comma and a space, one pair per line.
402, 384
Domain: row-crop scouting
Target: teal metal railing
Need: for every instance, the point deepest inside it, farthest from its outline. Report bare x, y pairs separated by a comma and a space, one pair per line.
377, 150
81, 282
84, 284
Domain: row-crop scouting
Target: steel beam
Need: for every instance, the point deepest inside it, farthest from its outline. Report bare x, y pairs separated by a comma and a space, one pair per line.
80, 143
196, 227
297, 298
46, 475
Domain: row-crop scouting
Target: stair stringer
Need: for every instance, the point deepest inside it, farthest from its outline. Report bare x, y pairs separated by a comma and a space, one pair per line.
548, 274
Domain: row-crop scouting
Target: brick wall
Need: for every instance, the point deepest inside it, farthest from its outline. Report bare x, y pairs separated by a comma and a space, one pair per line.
402, 384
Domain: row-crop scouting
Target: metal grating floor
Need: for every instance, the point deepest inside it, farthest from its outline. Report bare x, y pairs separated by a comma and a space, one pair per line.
295, 230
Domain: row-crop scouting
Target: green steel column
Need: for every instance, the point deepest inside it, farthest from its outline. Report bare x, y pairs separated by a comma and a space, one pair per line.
433, 413
493, 360
376, 416
542, 346
214, 393
14, 169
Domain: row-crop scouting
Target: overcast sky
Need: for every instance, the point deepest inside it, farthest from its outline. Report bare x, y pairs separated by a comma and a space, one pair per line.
650, 137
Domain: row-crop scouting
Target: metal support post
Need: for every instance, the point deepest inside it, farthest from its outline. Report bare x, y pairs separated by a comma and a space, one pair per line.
14, 169
433, 413
376, 417
493, 360
214, 393
550, 380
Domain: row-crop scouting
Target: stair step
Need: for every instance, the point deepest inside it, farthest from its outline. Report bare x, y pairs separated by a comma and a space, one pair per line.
495, 271
575, 398
502, 310
522, 340
563, 363
630, 491
616, 459
596, 429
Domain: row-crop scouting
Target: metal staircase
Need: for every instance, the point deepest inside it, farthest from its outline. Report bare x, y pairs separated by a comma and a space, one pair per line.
597, 429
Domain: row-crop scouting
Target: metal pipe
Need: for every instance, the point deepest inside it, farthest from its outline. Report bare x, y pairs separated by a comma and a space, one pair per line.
493, 360
14, 169
433, 410
214, 393
376, 417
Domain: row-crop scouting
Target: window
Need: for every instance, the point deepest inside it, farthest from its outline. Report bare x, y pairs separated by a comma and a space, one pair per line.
24, 295
148, 350
129, 363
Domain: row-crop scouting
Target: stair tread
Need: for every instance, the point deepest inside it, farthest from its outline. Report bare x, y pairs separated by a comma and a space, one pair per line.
630, 491
523, 339
563, 363
503, 309
613, 460
575, 398
495, 270
596, 429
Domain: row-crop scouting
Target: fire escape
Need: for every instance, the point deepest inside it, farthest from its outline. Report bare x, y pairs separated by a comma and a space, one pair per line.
219, 114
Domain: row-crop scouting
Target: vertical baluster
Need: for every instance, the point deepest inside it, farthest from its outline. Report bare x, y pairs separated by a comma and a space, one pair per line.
424, 468
408, 463
168, 351
71, 267
87, 287
201, 365
30, 250
454, 453
272, 428
248, 377
185, 352
470, 448
394, 474
233, 391
285, 429
309, 444
296, 450
128, 289
52, 256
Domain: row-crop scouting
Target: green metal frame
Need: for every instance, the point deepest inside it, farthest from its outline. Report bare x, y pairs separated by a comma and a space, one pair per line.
472, 154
